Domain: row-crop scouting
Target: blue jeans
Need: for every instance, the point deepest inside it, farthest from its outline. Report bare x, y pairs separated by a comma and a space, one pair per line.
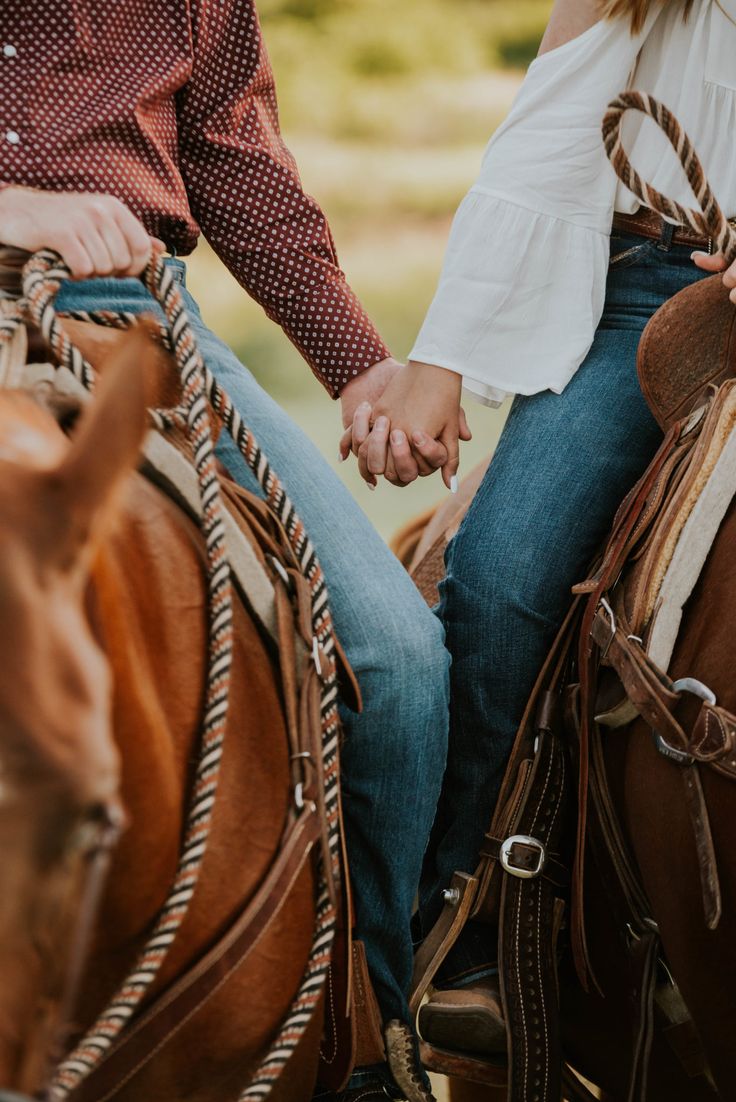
394, 753
563, 464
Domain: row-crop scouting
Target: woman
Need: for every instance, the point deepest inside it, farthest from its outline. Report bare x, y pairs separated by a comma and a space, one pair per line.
551, 274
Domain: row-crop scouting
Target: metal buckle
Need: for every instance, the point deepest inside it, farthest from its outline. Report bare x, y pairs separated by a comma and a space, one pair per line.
524, 840
697, 688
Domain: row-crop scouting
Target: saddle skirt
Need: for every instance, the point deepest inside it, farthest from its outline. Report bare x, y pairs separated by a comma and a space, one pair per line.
688, 506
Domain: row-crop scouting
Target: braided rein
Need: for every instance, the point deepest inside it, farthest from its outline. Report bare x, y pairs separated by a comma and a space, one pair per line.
709, 221
42, 277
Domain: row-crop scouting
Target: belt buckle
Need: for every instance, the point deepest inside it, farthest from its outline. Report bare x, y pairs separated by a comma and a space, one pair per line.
506, 856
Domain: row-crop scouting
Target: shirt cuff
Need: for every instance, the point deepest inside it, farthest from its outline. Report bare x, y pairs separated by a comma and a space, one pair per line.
506, 321
334, 335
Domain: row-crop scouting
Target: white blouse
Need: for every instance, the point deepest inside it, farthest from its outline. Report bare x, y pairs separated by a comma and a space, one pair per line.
523, 282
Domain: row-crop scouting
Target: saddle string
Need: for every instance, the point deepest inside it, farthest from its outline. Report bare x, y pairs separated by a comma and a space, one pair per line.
709, 221
42, 278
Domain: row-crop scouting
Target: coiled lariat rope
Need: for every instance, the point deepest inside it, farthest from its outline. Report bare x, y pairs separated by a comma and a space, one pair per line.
42, 277
710, 220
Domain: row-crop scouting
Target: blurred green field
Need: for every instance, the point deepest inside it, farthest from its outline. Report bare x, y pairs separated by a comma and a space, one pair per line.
387, 107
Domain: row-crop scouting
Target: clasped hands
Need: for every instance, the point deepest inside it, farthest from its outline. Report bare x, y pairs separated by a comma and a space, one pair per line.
404, 422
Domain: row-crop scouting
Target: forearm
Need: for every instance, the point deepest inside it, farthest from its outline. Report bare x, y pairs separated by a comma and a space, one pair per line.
245, 192
276, 241
315, 306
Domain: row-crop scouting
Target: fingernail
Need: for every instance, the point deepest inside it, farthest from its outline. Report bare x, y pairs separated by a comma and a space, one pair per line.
381, 424
364, 405
371, 485
696, 254
340, 457
397, 437
419, 438
453, 484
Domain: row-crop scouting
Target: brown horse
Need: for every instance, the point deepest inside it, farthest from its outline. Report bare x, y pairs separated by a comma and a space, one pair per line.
102, 666
693, 1057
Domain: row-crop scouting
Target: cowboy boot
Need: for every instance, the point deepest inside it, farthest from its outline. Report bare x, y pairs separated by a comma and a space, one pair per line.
467, 1019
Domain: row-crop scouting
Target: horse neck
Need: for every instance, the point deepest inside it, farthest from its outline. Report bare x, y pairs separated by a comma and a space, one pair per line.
148, 605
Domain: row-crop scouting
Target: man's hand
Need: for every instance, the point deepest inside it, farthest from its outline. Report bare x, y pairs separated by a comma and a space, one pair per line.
96, 235
365, 388
716, 263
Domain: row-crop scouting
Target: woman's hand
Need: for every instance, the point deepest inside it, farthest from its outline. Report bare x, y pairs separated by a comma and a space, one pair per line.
716, 263
417, 425
96, 235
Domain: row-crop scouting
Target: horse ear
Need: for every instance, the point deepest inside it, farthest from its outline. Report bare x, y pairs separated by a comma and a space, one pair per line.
107, 442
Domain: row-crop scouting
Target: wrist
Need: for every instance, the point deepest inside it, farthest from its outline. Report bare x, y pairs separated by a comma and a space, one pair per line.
435, 375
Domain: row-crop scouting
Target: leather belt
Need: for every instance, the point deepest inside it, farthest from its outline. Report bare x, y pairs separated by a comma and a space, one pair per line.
646, 223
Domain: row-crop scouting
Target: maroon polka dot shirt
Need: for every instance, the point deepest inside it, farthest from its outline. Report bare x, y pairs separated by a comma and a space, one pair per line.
169, 105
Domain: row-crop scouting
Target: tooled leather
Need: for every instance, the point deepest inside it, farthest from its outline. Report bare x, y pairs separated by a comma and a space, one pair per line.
370, 1045
527, 944
688, 345
515, 786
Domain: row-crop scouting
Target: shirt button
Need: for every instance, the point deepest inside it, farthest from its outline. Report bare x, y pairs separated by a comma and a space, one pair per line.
9, 50
12, 137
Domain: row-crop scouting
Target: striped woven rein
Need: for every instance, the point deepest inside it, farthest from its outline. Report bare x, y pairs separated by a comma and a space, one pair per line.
42, 277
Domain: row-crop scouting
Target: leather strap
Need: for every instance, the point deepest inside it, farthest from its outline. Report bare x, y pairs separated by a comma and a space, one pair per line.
644, 959
526, 858
625, 532
175, 1006
646, 686
527, 942
647, 223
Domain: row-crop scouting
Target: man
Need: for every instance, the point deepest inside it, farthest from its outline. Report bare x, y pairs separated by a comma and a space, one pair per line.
150, 119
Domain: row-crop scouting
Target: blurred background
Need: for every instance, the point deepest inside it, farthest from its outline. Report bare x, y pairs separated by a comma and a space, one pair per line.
387, 106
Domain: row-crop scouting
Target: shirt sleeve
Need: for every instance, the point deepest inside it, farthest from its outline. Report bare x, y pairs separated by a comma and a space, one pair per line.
245, 192
523, 282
